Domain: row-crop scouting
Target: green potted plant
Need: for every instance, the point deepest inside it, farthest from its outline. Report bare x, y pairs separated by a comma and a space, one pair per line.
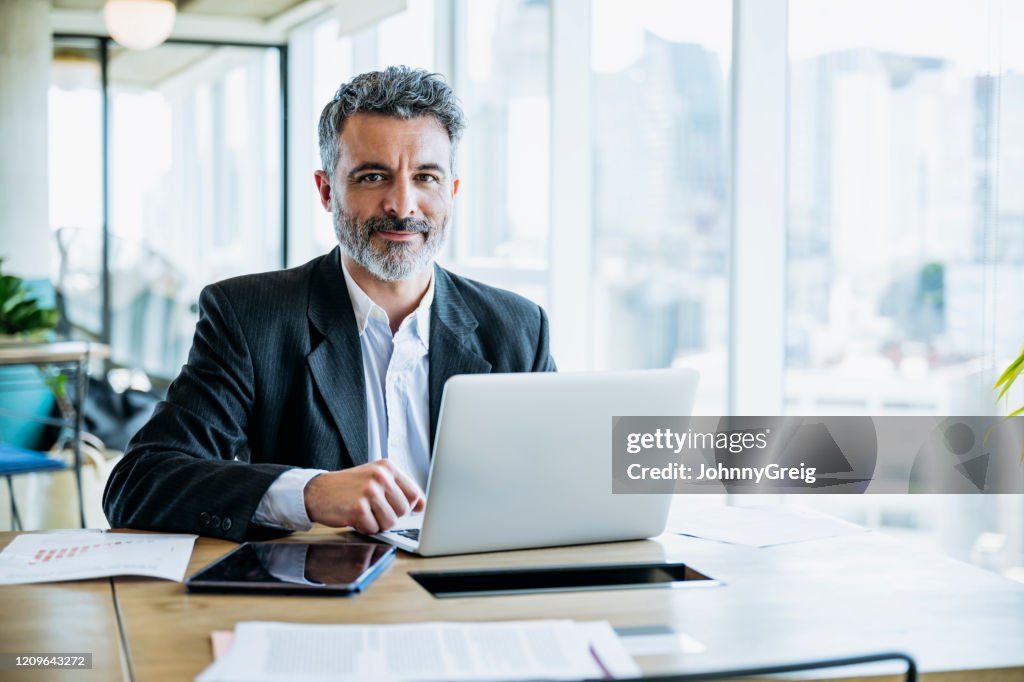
23, 320
21, 316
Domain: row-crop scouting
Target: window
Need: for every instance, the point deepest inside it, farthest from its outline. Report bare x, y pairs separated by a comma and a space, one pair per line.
503, 208
194, 187
76, 181
905, 256
904, 244
195, 178
660, 124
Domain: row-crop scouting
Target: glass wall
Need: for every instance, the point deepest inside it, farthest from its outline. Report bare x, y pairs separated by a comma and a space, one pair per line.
195, 188
903, 252
660, 123
502, 214
906, 235
76, 183
504, 88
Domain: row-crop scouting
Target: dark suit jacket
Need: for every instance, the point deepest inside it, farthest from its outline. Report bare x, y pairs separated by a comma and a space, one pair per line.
274, 380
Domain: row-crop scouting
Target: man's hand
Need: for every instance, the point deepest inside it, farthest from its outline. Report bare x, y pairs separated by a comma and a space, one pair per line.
370, 497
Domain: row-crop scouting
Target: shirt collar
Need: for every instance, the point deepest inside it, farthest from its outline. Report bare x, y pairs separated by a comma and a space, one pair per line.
364, 307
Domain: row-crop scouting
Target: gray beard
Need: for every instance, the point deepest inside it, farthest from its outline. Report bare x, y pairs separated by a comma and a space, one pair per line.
386, 260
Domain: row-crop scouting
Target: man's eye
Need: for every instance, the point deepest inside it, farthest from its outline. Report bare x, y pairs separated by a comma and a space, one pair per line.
371, 177
426, 177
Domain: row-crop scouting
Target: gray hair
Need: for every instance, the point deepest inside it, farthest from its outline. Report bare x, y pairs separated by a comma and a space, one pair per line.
399, 91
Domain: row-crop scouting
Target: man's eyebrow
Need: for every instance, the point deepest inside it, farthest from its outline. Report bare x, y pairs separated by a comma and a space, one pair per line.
367, 166
432, 166
378, 166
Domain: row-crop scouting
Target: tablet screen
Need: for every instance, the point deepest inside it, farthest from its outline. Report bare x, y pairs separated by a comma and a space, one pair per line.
294, 568
557, 579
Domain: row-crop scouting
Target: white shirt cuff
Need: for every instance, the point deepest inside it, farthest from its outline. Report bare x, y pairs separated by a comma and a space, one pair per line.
284, 504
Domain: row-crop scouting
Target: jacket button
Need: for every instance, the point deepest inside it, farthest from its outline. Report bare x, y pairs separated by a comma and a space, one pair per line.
215, 521
226, 524
204, 518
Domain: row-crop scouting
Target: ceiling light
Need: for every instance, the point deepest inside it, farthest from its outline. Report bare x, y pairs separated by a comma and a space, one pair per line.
139, 24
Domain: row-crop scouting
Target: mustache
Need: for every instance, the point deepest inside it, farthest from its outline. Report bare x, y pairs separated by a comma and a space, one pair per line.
393, 224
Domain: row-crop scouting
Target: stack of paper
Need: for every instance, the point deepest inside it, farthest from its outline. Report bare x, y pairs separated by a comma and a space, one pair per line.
422, 652
81, 554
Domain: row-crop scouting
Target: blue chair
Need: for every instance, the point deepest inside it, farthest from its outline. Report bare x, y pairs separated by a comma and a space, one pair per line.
15, 460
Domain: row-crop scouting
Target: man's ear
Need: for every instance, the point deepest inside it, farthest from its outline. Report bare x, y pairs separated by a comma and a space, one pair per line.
455, 187
323, 188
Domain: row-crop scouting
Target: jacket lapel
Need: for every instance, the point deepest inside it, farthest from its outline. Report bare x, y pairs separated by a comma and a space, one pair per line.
453, 345
336, 362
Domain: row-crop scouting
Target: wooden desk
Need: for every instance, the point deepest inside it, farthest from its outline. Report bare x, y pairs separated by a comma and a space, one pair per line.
77, 617
841, 596
834, 597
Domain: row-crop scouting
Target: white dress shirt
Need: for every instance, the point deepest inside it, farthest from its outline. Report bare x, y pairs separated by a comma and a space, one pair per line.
396, 373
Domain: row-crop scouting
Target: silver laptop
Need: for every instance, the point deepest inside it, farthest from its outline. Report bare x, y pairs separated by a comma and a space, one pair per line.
525, 460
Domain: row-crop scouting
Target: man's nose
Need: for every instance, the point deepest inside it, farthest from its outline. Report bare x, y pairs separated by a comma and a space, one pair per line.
400, 200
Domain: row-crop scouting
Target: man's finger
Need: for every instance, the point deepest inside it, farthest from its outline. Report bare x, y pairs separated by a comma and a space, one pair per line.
365, 522
412, 491
395, 497
382, 511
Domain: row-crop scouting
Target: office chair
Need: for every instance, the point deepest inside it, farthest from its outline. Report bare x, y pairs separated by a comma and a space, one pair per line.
15, 460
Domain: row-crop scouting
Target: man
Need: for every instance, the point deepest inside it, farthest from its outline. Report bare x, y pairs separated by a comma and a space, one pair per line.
312, 394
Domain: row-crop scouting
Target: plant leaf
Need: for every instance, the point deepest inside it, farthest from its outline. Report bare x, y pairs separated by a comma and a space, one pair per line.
1009, 376
1011, 372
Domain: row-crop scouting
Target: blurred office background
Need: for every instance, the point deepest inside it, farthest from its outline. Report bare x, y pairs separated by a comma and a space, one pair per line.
815, 203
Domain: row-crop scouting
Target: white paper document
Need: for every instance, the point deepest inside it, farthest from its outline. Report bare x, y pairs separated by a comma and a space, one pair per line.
764, 526
421, 652
78, 555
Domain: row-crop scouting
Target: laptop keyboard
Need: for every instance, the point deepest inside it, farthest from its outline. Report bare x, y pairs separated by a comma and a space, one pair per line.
411, 533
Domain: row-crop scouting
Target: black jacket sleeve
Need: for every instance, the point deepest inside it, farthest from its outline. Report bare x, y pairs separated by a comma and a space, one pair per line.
187, 470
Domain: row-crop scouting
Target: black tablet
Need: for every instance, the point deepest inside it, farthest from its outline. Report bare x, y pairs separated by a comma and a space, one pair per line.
569, 578
294, 568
